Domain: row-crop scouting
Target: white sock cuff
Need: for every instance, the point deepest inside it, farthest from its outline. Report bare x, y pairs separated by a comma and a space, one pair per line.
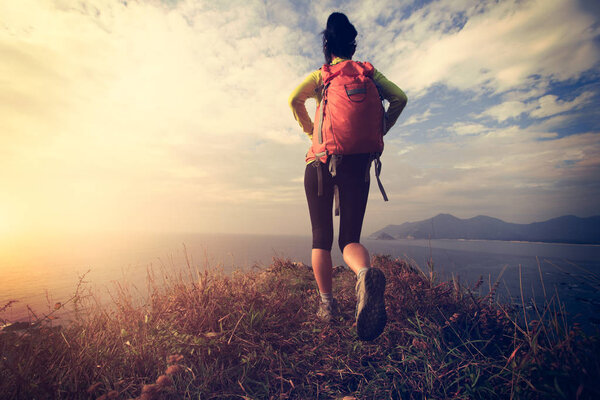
361, 271
326, 297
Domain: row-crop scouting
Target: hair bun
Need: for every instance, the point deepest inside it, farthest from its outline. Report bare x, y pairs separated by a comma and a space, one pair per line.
339, 37
339, 27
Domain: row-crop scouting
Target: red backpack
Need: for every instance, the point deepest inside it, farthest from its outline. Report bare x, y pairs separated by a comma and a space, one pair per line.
350, 118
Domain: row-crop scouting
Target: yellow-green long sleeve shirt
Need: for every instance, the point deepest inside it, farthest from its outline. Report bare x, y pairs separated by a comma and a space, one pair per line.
311, 88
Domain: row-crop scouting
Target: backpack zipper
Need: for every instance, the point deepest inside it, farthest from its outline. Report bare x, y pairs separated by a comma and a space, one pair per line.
322, 109
321, 121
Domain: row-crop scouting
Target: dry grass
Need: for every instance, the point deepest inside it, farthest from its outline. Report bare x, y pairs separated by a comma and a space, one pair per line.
206, 335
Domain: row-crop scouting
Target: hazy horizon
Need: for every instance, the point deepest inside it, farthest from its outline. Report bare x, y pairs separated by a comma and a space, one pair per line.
172, 116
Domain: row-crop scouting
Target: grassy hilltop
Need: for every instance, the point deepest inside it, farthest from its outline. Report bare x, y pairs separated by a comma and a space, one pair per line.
207, 335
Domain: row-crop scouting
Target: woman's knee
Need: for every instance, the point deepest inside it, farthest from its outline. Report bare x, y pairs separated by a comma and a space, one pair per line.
322, 240
343, 242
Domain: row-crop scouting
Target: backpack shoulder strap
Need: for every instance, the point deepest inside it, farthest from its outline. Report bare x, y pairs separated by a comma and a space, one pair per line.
376, 157
377, 173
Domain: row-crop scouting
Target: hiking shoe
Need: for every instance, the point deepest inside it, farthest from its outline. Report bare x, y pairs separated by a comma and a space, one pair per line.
328, 312
370, 304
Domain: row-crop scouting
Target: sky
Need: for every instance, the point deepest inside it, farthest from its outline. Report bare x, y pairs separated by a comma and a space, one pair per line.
173, 116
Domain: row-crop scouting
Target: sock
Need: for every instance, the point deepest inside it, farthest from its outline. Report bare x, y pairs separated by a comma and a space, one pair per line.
361, 271
327, 297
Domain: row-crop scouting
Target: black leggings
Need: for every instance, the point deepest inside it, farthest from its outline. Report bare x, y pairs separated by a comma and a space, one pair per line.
353, 191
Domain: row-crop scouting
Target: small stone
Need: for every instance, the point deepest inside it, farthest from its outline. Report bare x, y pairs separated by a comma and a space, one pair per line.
174, 369
164, 380
150, 389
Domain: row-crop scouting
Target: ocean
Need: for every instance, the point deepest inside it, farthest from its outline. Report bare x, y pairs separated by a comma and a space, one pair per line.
49, 271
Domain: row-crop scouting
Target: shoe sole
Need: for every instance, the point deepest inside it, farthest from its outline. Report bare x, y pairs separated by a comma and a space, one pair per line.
371, 320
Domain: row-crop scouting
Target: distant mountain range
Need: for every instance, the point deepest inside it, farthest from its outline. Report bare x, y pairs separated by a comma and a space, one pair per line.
566, 229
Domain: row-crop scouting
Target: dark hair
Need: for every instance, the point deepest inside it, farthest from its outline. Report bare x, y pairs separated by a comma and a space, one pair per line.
339, 37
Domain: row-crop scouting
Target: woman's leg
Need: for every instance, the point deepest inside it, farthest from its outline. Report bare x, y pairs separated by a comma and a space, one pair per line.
320, 209
371, 316
322, 267
356, 257
354, 193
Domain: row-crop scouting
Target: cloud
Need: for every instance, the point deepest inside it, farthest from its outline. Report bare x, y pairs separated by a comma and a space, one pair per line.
488, 46
466, 128
417, 118
550, 105
508, 110
545, 106
505, 172
405, 149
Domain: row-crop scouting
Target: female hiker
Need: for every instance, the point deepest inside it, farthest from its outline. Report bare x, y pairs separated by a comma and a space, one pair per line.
347, 136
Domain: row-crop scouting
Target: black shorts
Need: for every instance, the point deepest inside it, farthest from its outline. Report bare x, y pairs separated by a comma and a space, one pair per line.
353, 186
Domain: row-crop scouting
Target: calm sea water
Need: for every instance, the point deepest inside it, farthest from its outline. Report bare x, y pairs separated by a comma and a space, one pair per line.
49, 272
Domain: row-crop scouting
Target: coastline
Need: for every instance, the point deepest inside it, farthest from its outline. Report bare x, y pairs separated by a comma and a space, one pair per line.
491, 240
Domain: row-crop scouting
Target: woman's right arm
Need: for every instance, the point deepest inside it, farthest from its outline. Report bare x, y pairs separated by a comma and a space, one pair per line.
394, 95
307, 89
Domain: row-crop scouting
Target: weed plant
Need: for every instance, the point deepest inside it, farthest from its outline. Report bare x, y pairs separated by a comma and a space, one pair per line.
254, 335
